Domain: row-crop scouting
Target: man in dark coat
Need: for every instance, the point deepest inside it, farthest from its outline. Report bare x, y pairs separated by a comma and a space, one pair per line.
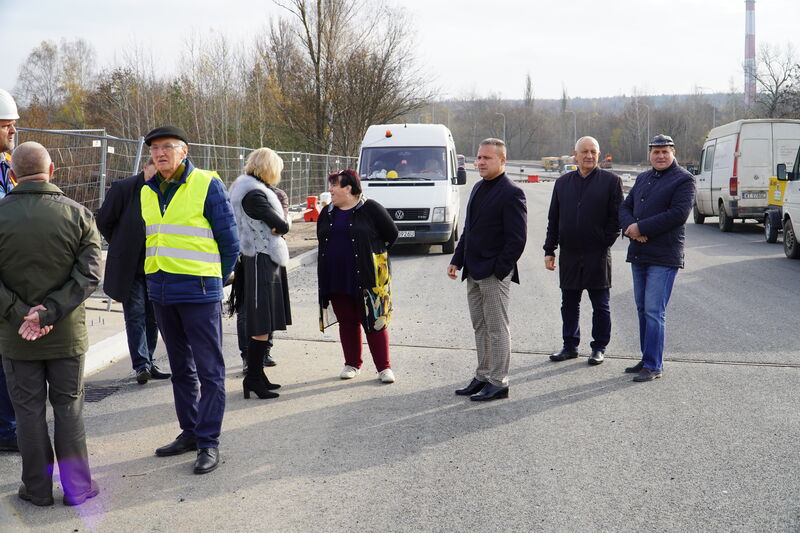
653, 216
51, 264
583, 221
120, 222
495, 231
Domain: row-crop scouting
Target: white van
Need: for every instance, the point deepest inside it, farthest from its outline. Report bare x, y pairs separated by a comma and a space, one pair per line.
790, 210
735, 166
412, 170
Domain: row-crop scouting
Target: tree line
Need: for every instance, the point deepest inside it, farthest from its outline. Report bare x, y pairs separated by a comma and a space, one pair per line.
323, 72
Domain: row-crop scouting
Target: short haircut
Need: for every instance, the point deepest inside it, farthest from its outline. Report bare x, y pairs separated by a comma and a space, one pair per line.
264, 164
497, 143
584, 138
347, 177
30, 158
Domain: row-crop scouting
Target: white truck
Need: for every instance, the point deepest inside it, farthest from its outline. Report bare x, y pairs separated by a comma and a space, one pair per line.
735, 166
412, 170
791, 205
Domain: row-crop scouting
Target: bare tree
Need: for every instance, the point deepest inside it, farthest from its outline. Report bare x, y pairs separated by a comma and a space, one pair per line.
774, 73
39, 80
76, 63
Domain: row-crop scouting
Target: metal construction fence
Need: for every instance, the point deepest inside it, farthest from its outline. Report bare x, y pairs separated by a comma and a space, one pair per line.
89, 161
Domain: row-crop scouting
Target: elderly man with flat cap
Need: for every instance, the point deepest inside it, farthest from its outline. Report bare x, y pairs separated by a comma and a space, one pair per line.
653, 218
191, 246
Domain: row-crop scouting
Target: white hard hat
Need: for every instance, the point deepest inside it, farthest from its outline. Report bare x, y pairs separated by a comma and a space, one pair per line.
8, 109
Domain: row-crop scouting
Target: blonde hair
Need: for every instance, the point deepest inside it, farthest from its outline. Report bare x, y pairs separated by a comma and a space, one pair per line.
264, 164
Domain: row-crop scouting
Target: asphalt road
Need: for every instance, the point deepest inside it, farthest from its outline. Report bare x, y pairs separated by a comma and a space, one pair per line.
712, 446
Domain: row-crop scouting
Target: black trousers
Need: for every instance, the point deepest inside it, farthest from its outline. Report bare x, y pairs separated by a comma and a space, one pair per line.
601, 317
30, 383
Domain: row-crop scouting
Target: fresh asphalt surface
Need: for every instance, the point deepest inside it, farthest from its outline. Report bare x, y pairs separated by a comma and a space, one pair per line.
709, 447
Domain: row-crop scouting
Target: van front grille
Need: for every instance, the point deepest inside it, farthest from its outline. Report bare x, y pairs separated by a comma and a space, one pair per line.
410, 214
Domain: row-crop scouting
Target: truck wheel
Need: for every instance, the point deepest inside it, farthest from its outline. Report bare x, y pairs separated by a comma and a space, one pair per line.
770, 230
790, 246
725, 222
698, 218
449, 246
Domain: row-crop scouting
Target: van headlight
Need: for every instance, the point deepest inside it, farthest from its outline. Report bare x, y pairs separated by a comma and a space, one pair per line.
440, 214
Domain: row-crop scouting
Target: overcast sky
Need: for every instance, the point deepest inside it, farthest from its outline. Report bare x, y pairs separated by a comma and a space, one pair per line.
465, 46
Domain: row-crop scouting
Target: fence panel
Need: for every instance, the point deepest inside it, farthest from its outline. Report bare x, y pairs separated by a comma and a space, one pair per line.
89, 161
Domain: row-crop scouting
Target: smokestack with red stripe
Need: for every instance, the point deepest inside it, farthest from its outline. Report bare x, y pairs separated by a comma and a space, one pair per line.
750, 53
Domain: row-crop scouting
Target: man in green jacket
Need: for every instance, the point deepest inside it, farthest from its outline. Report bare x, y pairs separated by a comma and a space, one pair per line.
51, 264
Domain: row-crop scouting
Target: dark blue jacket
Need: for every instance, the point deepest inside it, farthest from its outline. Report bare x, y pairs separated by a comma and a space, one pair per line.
660, 203
494, 243
165, 288
119, 219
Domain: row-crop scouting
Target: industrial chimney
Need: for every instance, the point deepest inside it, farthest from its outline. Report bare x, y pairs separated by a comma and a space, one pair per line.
750, 53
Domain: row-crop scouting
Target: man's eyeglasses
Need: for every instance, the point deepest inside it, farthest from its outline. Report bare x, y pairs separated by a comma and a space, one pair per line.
164, 147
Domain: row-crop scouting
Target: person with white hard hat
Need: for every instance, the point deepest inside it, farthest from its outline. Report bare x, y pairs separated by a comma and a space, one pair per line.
8, 117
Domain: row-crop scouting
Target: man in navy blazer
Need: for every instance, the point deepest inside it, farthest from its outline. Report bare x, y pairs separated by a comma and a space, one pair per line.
120, 221
495, 230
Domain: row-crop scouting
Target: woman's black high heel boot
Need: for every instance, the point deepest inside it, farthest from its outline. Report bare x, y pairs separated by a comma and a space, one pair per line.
255, 380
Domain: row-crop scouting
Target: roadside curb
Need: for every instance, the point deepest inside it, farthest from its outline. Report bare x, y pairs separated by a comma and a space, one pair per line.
105, 353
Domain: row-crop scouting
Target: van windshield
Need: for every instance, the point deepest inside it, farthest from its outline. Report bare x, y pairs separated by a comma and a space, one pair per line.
425, 163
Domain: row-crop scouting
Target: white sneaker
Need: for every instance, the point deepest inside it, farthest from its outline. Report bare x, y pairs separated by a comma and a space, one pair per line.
349, 372
386, 376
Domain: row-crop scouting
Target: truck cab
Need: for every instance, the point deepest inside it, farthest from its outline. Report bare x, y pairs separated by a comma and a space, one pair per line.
790, 210
412, 170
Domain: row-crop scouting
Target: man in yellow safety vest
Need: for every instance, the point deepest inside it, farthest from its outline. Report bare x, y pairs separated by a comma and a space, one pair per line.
191, 246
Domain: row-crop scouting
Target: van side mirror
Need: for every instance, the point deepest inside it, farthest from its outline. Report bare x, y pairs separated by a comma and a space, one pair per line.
781, 172
461, 176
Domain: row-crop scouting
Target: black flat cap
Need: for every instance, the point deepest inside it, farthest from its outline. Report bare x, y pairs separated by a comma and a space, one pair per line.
161, 132
661, 140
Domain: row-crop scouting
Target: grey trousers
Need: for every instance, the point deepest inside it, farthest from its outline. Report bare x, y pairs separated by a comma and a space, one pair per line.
28, 384
488, 308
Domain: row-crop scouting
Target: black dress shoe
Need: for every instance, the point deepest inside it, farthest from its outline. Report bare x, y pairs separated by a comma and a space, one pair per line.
207, 460
142, 376
182, 444
93, 491
635, 369
41, 501
647, 375
490, 392
9, 445
474, 386
596, 358
155, 373
564, 354
269, 361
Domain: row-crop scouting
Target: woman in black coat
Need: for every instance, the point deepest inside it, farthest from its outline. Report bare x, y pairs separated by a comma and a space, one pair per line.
354, 272
260, 287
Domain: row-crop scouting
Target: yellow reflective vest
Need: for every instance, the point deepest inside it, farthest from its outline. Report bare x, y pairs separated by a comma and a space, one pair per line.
180, 240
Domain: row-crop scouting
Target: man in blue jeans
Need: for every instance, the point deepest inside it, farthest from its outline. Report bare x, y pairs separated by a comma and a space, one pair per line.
652, 217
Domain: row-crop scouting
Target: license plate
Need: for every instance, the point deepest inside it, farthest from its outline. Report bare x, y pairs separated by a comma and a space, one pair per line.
406, 234
754, 195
